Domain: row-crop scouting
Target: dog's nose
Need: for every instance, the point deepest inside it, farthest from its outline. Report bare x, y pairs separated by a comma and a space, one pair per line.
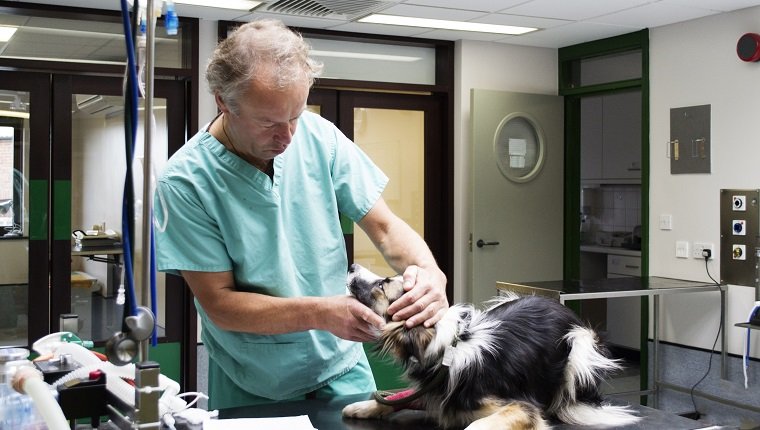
353, 268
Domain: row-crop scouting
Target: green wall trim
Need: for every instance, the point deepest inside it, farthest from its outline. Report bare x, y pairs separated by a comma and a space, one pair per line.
61, 210
38, 209
601, 88
168, 357
624, 42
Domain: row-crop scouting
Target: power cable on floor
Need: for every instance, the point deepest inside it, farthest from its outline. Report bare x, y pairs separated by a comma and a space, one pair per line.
706, 254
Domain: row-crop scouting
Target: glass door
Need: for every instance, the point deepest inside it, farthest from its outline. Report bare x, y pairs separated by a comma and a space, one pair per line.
394, 140
402, 135
24, 131
89, 167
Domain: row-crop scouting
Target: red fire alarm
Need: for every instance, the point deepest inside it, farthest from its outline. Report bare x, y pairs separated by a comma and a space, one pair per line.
748, 47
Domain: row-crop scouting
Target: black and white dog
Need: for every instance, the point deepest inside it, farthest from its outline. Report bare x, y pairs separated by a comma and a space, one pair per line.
508, 367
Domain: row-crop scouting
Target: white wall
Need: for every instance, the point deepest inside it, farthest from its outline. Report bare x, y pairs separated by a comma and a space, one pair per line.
695, 63
207, 34
494, 66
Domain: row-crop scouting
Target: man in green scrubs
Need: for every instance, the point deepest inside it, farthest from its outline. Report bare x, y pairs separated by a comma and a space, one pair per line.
248, 213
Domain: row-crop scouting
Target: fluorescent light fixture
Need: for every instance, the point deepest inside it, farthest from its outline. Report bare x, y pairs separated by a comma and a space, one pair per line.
224, 4
13, 114
446, 25
6, 32
364, 56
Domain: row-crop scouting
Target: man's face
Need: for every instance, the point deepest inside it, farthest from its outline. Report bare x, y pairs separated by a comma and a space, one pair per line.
266, 119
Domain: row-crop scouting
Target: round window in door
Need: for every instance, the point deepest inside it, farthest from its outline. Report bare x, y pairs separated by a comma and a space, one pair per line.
519, 147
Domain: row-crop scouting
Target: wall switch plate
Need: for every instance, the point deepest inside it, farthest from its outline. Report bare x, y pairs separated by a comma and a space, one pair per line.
666, 222
682, 249
696, 251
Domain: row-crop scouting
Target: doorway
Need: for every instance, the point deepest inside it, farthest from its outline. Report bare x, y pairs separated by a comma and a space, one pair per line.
518, 152
88, 164
65, 173
606, 91
24, 238
402, 134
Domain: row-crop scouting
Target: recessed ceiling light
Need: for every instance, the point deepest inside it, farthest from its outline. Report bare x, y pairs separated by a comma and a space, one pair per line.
224, 4
364, 56
446, 25
6, 32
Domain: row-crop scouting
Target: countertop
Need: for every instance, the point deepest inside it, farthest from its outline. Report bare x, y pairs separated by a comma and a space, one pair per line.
608, 287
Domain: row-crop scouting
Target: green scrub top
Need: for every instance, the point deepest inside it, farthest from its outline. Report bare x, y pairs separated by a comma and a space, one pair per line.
280, 236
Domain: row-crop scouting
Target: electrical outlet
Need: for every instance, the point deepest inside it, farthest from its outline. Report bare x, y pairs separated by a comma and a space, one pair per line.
740, 203
682, 249
739, 227
739, 252
699, 247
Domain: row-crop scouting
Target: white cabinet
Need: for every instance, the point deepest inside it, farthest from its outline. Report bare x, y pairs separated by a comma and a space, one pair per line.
624, 265
611, 138
624, 313
591, 137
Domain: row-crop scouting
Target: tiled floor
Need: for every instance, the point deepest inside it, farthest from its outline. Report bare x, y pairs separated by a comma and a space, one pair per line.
684, 367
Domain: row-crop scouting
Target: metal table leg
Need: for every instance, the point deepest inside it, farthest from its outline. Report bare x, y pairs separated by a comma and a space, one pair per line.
656, 353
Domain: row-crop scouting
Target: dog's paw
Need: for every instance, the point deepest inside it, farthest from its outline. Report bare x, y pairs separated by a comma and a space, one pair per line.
366, 409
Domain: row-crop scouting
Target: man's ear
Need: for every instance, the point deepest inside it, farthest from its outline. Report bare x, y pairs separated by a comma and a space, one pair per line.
220, 104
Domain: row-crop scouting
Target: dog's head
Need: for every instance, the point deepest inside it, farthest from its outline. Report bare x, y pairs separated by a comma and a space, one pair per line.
377, 293
373, 291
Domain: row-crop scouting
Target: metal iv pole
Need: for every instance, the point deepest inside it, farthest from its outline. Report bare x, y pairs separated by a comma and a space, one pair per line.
147, 160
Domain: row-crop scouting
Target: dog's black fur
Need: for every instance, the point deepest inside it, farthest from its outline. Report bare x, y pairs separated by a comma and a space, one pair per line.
518, 361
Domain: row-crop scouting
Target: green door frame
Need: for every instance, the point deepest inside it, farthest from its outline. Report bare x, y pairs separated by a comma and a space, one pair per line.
569, 68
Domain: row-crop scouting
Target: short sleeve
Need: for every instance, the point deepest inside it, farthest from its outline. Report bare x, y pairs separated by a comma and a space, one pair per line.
359, 183
187, 238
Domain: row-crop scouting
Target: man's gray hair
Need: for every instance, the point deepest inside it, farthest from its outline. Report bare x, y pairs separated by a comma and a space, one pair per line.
264, 50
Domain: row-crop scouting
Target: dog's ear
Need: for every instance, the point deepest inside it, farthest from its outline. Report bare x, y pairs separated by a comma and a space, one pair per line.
406, 345
393, 288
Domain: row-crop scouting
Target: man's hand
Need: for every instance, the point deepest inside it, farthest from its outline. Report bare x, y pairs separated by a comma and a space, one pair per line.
425, 299
351, 320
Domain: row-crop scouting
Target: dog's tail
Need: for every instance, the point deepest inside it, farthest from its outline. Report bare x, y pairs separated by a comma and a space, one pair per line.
586, 367
590, 415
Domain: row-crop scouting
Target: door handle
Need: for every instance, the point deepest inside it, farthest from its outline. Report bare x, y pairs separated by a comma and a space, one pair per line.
481, 243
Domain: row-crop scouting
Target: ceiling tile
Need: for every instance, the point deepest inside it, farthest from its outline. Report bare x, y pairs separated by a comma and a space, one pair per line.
476, 5
653, 15
432, 12
723, 6
566, 35
522, 21
459, 35
575, 10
